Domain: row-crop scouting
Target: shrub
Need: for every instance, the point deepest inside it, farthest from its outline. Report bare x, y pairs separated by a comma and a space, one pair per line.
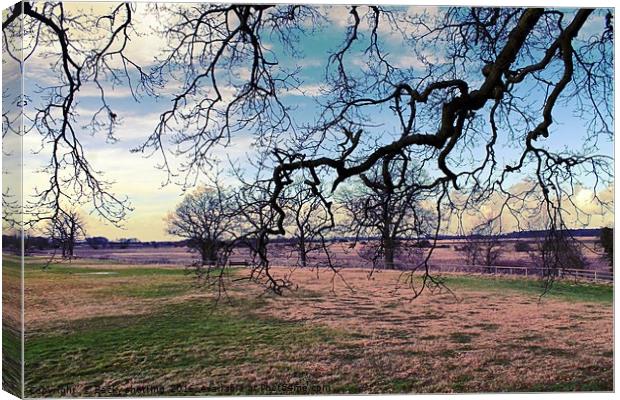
607, 241
523, 247
557, 252
422, 244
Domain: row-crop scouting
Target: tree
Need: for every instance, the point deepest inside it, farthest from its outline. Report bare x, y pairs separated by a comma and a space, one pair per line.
387, 204
65, 230
206, 219
308, 221
607, 241
35, 242
483, 246
480, 78
557, 251
97, 242
522, 246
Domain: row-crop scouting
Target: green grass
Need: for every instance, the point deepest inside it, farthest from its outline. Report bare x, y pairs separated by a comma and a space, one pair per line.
11, 361
37, 268
563, 290
151, 291
11, 266
400, 385
179, 339
460, 383
11, 335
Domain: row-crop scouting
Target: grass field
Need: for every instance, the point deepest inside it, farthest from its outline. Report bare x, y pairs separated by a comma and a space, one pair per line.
96, 329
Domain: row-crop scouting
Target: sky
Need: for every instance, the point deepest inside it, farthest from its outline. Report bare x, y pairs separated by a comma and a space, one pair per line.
138, 177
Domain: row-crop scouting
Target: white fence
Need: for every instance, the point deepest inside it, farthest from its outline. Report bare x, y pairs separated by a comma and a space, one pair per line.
567, 273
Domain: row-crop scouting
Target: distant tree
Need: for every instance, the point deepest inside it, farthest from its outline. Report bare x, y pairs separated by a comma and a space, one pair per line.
607, 241
308, 220
522, 246
39, 242
205, 218
483, 246
424, 243
65, 230
35, 242
12, 243
556, 252
387, 204
97, 242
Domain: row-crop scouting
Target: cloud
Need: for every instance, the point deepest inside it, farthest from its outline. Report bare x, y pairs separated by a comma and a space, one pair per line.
409, 61
419, 59
136, 126
91, 90
338, 15
309, 62
582, 210
307, 89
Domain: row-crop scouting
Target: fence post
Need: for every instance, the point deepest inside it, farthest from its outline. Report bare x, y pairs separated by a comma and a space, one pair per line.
495, 269
526, 272
594, 276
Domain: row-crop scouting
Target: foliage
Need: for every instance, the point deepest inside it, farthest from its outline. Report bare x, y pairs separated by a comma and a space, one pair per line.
607, 241
522, 246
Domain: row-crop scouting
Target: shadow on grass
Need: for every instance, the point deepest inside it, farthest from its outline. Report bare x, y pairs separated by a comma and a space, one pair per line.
179, 340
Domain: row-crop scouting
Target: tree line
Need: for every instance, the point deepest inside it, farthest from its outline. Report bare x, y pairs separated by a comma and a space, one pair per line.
210, 222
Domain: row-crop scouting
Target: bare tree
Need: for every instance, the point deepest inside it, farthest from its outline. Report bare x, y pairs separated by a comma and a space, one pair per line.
81, 49
206, 219
255, 214
483, 77
555, 252
387, 204
483, 246
606, 239
308, 222
65, 230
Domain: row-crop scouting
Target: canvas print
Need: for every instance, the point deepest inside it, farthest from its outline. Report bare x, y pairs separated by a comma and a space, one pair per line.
286, 199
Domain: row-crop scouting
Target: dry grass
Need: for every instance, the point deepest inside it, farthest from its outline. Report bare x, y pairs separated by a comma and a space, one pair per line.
499, 341
321, 337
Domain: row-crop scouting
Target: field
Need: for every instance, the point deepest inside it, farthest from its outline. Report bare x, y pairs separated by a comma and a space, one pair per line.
343, 254
103, 328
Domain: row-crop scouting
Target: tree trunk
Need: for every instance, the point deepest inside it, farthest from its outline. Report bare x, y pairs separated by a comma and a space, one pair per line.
209, 253
303, 257
388, 253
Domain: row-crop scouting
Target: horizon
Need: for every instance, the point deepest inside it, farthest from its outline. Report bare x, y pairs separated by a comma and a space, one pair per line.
505, 235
